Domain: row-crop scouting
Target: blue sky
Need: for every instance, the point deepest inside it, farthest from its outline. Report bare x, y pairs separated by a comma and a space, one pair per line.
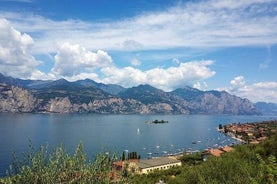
217, 44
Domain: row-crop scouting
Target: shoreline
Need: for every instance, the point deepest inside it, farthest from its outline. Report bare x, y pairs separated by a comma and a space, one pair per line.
231, 135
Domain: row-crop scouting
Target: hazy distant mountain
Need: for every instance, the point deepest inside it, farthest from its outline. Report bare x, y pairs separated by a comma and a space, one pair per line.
62, 96
266, 108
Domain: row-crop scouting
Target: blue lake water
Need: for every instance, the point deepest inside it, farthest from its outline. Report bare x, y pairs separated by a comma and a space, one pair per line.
114, 133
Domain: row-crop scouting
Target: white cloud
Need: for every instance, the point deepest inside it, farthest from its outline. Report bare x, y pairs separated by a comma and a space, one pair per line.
166, 79
176, 61
214, 23
256, 92
265, 64
238, 82
131, 45
15, 57
200, 86
81, 76
135, 62
231, 4
73, 60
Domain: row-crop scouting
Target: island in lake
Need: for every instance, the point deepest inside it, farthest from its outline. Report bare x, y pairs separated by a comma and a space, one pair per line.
157, 121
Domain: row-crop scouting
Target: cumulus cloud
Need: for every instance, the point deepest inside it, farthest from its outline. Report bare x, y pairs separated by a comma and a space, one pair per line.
195, 24
72, 60
166, 79
256, 92
238, 82
15, 57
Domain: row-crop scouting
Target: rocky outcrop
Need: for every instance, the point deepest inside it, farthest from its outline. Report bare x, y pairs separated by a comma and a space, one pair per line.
222, 103
59, 105
16, 99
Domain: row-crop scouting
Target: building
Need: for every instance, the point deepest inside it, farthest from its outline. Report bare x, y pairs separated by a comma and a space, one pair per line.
161, 163
220, 151
216, 152
145, 166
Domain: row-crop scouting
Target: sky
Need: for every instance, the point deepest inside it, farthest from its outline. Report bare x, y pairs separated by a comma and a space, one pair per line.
226, 45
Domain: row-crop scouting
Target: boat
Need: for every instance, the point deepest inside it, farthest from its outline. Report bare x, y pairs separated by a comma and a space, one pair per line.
195, 142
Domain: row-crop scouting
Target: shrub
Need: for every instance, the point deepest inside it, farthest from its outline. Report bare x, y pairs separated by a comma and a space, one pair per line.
60, 167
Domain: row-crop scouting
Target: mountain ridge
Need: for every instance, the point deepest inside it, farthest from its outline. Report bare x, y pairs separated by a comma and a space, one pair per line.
88, 96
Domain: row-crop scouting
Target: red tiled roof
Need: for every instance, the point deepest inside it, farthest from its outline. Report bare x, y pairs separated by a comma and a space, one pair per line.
227, 149
216, 152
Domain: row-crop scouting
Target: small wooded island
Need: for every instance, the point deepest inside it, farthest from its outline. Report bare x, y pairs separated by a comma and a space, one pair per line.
157, 121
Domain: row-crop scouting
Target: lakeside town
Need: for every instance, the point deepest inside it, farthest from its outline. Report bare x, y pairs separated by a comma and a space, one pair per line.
246, 133
252, 133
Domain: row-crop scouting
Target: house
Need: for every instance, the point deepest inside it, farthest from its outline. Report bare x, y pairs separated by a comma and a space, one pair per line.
215, 152
220, 151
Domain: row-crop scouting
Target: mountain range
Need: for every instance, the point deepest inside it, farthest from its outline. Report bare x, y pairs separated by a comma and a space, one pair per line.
88, 96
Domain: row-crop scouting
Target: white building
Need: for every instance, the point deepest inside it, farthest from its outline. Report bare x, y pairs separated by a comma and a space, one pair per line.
150, 165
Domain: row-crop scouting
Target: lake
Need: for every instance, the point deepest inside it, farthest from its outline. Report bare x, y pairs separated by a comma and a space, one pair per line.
114, 133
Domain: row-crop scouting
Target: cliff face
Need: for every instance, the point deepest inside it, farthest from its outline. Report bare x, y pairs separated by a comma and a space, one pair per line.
65, 97
15, 99
106, 106
224, 103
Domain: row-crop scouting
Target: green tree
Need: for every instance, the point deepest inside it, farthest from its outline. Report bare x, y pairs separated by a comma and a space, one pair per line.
123, 156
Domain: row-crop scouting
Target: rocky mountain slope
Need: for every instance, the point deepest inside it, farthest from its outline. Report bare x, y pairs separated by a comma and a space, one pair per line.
16, 99
87, 96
